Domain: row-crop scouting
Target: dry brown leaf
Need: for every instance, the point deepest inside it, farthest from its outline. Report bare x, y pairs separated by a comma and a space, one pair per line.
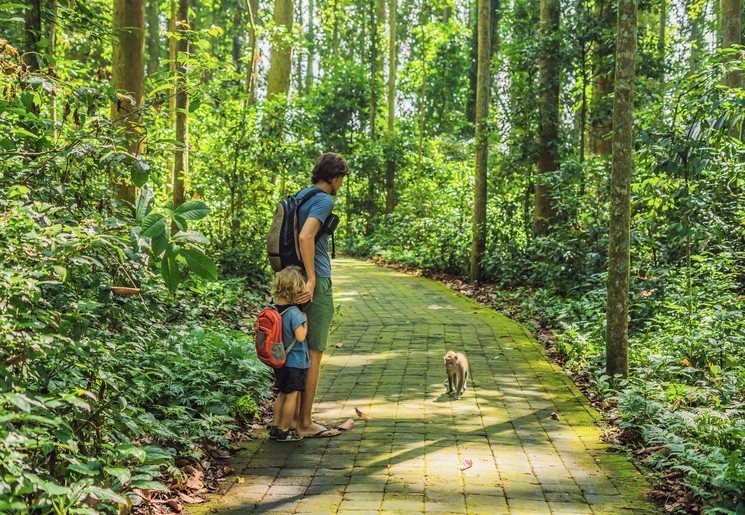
346, 426
225, 471
467, 464
339, 345
389, 465
175, 505
555, 415
191, 499
362, 415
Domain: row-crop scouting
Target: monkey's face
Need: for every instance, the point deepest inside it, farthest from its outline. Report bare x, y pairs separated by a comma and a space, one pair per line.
451, 359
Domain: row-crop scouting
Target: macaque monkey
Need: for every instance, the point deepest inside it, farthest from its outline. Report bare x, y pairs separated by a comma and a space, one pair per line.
456, 366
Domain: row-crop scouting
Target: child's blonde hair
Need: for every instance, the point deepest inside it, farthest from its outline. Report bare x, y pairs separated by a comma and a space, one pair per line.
288, 283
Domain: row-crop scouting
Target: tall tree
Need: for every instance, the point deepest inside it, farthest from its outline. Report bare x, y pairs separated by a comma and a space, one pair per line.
32, 34
311, 47
51, 51
278, 81
548, 131
181, 158
252, 8
602, 81
619, 240
482, 114
732, 35
237, 34
128, 78
390, 173
153, 36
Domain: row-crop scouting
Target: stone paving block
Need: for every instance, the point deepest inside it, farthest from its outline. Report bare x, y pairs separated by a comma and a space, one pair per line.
389, 365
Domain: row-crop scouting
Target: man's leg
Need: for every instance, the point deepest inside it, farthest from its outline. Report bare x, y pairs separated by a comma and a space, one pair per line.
306, 426
320, 312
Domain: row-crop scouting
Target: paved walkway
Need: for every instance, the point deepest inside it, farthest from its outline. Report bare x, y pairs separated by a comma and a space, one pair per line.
386, 358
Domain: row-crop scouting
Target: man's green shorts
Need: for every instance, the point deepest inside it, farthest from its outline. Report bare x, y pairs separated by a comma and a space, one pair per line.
320, 312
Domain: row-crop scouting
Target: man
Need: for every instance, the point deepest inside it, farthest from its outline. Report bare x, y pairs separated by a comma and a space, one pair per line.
328, 175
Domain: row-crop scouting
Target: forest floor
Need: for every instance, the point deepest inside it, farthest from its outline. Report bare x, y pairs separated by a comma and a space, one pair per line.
522, 439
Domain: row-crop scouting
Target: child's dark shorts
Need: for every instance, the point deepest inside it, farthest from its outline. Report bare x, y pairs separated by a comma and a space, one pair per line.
290, 379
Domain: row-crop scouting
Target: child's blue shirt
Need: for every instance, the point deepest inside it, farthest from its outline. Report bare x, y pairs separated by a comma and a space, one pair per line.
292, 318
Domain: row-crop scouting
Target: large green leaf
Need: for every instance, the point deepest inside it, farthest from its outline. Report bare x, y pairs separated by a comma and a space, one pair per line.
192, 236
144, 203
104, 494
140, 173
192, 210
152, 225
200, 264
121, 473
149, 485
170, 272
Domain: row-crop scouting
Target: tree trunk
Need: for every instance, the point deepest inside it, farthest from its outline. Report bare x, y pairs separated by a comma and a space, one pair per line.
473, 68
181, 160
311, 48
372, 173
548, 131
482, 113
661, 40
697, 20
732, 35
423, 90
619, 241
32, 35
390, 174
128, 78
172, 51
252, 6
237, 51
51, 51
298, 75
601, 108
281, 60
153, 36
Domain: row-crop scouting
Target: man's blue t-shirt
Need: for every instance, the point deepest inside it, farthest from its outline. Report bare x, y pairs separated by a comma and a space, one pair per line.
292, 318
318, 206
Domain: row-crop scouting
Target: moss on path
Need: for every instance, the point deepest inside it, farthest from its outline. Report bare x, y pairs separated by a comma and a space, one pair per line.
386, 358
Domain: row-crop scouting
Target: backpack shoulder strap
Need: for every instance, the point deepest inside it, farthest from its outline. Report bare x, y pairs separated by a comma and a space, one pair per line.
294, 340
307, 196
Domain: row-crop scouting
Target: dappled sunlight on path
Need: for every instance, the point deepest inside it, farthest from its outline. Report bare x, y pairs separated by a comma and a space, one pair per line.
385, 358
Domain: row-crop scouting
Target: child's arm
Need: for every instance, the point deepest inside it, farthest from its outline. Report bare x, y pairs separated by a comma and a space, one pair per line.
301, 332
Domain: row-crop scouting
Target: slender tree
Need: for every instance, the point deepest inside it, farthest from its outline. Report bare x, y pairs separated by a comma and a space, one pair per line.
548, 131
237, 51
280, 66
153, 36
32, 34
619, 240
252, 8
661, 39
181, 158
602, 81
390, 174
128, 78
51, 56
311, 47
732, 35
482, 114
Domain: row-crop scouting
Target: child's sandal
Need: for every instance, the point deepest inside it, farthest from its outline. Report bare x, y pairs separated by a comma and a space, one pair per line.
288, 436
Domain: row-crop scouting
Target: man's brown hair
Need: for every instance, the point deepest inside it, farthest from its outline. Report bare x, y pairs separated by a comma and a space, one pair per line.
328, 167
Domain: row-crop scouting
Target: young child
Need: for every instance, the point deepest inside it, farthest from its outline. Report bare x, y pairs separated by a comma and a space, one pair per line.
290, 379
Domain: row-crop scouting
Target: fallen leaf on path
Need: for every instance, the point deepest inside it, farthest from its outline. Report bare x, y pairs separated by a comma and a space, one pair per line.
219, 454
389, 465
225, 471
240, 479
362, 415
346, 426
555, 415
191, 499
467, 464
175, 505
339, 345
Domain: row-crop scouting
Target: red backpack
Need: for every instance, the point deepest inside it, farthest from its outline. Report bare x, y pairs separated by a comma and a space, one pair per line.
269, 346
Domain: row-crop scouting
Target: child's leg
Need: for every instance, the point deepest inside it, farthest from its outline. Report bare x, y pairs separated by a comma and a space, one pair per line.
289, 410
279, 405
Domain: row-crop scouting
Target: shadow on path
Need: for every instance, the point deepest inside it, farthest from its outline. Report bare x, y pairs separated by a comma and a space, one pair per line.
385, 357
